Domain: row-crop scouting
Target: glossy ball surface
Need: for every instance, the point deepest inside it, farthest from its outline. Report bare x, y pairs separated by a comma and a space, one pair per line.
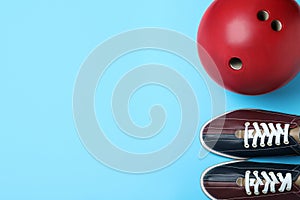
251, 46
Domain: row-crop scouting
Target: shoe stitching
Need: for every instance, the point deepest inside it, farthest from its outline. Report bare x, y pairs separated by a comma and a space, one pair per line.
212, 126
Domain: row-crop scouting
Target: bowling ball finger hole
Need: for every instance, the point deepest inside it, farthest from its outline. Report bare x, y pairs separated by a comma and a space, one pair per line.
263, 15
235, 63
276, 25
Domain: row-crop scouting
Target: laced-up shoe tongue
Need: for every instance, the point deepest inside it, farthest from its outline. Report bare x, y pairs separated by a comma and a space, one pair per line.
264, 182
267, 133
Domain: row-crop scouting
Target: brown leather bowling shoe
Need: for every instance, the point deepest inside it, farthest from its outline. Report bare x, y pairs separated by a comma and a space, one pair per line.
251, 180
252, 133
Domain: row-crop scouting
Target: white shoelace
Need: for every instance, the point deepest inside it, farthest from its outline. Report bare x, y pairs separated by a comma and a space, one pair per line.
268, 130
269, 181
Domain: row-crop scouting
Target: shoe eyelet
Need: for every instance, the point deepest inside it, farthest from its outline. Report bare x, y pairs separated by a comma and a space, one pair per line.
247, 124
264, 192
269, 144
286, 142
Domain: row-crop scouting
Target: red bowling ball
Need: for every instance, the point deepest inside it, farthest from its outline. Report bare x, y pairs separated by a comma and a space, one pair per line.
254, 44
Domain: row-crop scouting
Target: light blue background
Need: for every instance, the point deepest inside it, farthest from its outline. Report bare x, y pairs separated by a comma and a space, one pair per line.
42, 45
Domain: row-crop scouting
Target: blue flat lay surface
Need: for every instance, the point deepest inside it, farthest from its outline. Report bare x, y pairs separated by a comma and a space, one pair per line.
43, 45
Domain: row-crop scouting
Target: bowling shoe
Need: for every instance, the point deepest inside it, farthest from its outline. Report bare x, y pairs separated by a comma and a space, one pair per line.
250, 180
252, 133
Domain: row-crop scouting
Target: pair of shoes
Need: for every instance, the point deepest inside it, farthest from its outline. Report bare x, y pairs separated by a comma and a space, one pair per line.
246, 134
